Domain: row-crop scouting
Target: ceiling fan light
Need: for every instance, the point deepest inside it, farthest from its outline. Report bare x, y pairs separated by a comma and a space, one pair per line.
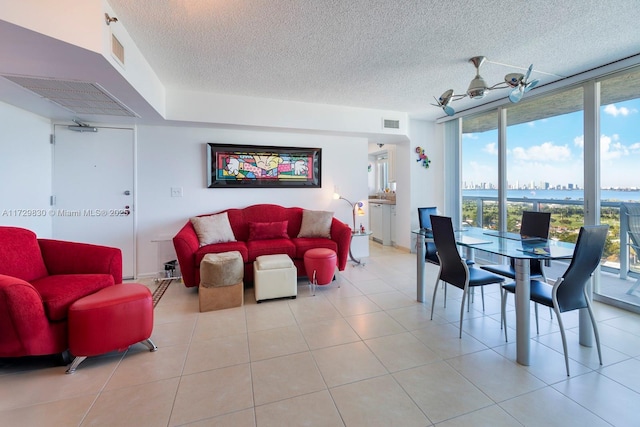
513, 79
477, 88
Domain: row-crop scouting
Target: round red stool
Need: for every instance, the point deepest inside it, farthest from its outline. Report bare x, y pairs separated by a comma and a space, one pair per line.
320, 264
111, 319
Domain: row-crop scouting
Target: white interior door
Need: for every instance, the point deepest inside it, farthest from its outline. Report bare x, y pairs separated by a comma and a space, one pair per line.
93, 186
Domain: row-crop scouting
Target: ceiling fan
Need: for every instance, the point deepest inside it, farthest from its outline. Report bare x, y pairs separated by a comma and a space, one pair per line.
478, 87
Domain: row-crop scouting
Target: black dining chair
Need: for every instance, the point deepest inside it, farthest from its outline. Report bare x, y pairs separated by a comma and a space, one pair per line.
424, 219
425, 223
453, 269
570, 291
533, 224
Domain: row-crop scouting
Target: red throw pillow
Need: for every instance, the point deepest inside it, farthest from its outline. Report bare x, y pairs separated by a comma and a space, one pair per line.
268, 230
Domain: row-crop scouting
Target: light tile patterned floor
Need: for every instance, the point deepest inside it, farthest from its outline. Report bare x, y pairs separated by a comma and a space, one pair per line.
362, 354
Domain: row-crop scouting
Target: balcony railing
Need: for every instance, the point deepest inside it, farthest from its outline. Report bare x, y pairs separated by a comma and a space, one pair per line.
619, 260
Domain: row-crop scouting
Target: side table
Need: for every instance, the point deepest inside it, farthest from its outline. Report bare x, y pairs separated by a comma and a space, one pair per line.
354, 235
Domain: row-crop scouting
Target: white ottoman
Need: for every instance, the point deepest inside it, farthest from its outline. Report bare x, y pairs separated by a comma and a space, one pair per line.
274, 277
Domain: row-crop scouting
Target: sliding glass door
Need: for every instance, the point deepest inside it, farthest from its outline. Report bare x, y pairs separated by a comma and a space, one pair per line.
620, 181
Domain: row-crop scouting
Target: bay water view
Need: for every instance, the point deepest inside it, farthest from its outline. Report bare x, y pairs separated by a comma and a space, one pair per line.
609, 195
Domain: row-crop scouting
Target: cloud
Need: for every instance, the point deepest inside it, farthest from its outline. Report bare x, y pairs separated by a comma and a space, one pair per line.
635, 147
480, 172
614, 111
470, 135
610, 146
578, 141
491, 148
547, 151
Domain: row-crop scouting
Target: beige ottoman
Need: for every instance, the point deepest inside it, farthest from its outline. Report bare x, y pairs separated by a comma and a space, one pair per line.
221, 281
274, 277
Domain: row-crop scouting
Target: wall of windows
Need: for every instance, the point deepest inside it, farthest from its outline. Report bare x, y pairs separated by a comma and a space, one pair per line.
544, 167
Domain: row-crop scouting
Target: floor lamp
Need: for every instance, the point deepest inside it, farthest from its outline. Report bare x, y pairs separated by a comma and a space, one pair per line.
356, 209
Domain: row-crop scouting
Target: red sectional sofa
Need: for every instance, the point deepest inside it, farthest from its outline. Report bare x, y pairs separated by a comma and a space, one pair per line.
39, 280
190, 253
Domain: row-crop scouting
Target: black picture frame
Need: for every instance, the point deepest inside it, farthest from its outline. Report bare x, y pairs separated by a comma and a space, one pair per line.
259, 166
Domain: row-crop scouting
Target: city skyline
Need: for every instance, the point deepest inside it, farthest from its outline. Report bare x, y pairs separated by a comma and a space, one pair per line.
551, 150
522, 186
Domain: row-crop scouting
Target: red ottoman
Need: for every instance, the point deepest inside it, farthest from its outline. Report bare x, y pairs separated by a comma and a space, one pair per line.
111, 319
320, 264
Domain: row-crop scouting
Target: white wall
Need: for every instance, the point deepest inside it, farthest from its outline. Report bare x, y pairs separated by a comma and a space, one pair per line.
25, 171
237, 110
72, 21
427, 185
171, 157
403, 160
176, 157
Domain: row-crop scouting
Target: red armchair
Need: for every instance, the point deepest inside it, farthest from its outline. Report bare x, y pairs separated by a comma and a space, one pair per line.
39, 280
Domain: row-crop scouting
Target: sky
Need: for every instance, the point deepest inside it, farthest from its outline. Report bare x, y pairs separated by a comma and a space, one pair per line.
551, 150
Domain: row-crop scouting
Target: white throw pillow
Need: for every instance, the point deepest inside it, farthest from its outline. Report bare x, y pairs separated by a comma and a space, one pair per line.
316, 224
213, 229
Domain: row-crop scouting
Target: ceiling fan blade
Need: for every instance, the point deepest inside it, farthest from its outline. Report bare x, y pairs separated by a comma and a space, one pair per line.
449, 110
531, 85
516, 94
526, 76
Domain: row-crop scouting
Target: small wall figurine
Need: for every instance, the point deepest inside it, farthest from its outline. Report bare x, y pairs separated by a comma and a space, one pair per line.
422, 157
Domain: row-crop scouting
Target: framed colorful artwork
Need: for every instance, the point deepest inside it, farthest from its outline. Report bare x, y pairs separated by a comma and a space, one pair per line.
253, 166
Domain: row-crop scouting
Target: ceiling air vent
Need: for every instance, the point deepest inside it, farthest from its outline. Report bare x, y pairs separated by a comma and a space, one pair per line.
75, 96
117, 49
390, 124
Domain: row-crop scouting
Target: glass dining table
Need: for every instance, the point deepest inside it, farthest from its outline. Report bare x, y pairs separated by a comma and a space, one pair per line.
520, 250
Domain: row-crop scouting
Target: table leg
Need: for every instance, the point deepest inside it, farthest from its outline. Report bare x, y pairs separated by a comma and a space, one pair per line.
355, 261
420, 282
523, 291
469, 253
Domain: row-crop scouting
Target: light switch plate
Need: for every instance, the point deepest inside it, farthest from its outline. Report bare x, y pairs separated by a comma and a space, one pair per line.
176, 191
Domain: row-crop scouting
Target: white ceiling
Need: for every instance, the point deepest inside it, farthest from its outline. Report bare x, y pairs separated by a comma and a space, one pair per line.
389, 55
392, 55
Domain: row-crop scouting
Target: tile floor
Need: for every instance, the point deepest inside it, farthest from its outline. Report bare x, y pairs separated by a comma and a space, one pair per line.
362, 354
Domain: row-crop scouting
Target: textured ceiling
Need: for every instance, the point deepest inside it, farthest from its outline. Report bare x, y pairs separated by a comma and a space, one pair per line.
393, 54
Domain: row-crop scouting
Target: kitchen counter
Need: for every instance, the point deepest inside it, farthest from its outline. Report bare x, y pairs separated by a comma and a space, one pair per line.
383, 201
